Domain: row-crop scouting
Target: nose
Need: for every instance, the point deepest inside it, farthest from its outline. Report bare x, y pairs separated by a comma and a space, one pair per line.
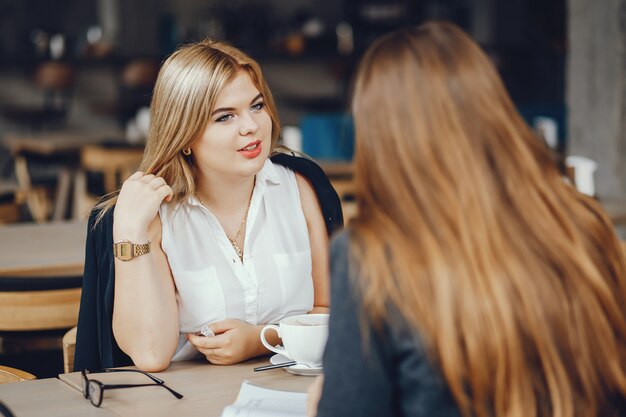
248, 125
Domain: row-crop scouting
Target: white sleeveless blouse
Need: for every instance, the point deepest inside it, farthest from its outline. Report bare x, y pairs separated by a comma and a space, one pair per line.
273, 281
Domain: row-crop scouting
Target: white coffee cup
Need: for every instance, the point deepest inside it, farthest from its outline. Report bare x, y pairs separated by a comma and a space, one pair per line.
304, 338
584, 169
548, 129
292, 137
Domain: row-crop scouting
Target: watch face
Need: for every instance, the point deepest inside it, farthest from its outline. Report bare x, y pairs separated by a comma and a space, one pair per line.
124, 251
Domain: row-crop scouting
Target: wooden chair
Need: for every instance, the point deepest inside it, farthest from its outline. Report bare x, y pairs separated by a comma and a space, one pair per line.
116, 163
10, 212
8, 375
39, 310
36, 199
31, 319
69, 348
11, 201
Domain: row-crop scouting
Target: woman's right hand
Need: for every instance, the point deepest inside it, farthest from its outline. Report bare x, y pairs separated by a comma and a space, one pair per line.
138, 204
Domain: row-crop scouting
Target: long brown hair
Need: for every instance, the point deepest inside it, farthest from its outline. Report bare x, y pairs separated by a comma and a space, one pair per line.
183, 99
514, 280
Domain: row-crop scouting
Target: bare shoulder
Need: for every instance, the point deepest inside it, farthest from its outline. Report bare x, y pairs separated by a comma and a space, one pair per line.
308, 198
304, 185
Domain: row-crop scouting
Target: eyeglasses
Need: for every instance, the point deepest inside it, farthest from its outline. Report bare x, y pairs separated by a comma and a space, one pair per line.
5, 411
94, 390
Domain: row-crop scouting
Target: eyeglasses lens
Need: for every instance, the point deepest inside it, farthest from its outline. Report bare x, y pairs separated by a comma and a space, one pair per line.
95, 393
85, 384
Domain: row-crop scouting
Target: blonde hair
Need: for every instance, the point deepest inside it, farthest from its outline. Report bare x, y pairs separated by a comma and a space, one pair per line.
183, 99
515, 281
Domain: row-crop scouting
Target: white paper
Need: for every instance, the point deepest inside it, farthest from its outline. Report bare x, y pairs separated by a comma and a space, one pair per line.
254, 401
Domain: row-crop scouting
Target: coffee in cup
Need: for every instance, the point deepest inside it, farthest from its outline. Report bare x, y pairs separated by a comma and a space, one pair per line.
304, 338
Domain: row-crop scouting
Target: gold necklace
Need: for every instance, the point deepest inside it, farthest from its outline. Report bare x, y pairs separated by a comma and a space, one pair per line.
233, 241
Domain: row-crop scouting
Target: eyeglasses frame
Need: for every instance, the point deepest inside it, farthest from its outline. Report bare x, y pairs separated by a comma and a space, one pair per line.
103, 387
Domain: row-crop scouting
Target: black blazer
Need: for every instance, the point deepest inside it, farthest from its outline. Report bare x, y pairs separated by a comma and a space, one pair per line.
96, 347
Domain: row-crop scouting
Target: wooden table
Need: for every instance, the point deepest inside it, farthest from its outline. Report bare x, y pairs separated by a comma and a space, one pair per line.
50, 143
207, 390
49, 397
64, 142
41, 268
39, 250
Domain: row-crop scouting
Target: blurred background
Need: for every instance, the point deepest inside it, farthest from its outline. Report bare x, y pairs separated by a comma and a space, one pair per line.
89, 65
293, 39
76, 78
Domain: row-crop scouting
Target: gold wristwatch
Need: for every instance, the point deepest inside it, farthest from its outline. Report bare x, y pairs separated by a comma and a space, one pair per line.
125, 250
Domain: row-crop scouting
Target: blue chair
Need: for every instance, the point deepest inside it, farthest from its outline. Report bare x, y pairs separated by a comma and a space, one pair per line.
328, 136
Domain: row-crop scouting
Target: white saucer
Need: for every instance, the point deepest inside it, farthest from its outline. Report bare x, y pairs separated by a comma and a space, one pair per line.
295, 369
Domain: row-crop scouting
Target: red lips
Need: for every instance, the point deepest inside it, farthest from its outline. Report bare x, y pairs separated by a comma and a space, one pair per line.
251, 150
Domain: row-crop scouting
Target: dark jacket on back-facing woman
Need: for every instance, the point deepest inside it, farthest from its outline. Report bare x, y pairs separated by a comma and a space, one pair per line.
387, 373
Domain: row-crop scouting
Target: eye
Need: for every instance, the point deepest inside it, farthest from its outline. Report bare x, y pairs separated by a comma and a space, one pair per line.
224, 118
258, 106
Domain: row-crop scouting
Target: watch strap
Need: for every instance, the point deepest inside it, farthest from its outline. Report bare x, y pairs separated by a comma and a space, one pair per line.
126, 250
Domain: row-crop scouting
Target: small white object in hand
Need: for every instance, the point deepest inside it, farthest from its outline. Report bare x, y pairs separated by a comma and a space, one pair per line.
206, 331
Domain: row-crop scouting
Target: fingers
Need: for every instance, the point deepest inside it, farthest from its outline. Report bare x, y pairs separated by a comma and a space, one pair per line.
212, 347
231, 344
166, 192
211, 353
211, 342
139, 201
142, 176
225, 325
156, 183
159, 184
147, 178
151, 179
137, 175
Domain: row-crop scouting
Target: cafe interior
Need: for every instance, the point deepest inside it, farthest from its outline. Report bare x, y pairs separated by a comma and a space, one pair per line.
76, 78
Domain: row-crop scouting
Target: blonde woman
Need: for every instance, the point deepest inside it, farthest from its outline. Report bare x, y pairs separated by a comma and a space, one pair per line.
474, 281
210, 235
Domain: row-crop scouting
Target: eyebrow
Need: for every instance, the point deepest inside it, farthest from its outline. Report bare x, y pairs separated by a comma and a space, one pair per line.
222, 109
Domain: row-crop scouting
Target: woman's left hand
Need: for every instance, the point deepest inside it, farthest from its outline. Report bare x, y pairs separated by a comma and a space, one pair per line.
234, 342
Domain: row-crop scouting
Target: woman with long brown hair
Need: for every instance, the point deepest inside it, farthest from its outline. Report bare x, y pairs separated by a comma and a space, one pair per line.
474, 280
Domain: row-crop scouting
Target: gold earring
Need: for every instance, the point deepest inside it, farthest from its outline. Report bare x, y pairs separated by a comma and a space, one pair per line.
186, 151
